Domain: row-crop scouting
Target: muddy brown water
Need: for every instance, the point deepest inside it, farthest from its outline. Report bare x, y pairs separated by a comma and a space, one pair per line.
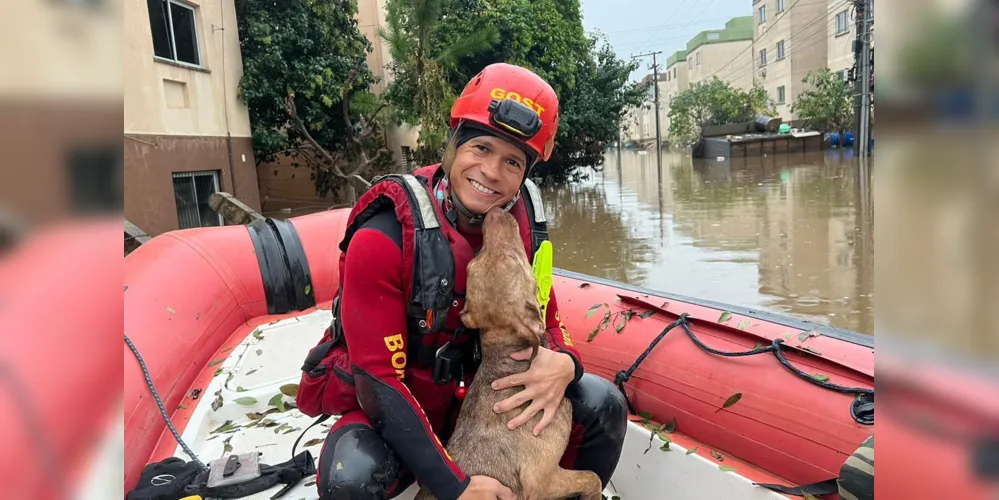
792, 234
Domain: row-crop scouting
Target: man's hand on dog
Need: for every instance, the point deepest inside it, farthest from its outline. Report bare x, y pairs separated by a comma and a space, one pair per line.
486, 488
544, 386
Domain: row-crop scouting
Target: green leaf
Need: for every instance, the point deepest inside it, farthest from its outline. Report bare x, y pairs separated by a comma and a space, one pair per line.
725, 468
787, 336
665, 446
216, 362
255, 416
290, 390
813, 351
809, 496
691, 451
621, 322
717, 456
181, 407
743, 324
227, 448
733, 399
259, 352
251, 372
606, 321
245, 401
217, 402
308, 289
227, 425
725, 316
257, 334
820, 377
593, 309
593, 334
277, 400
647, 314
313, 442
757, 347
646, 415
670, 426
218, 371
240, 388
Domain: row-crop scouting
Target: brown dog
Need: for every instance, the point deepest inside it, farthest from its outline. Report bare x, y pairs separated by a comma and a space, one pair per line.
501, 301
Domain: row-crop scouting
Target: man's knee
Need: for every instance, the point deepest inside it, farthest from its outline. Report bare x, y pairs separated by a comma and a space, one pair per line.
597, 400
356, 463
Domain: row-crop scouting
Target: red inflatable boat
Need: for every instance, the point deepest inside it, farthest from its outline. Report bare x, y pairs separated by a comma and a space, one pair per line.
224, 316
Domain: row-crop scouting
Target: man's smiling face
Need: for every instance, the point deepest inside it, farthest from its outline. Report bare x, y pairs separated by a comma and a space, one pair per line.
487, 172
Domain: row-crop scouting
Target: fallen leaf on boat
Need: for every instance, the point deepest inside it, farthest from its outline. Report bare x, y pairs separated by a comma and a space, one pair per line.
228, 447
308, 289
289, 390
195, 393
211, 438
216, 362
621, 321
691, 451
665, 446
251, 372
276, 400
718, 456
743, 324
670, 426
310, 483
217, 403
227, 425
218, 371
647, 314
646, 415
227, 349
733, 399
787, 336
240, 388
725, 316
606, 321
313, 442
813, 351
593, 309
257, 334
281, 428
255, 416
181, 407
245, 401
593, 334
170, 310
725, 468
259, 352
757, 347
820, 377
584, 285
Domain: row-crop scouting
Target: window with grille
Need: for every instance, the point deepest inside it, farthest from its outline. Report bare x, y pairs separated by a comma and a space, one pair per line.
843, 22
175, 31
780, 49
191, 191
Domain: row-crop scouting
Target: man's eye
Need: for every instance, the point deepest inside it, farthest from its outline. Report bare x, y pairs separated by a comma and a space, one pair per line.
514, 163
480, 147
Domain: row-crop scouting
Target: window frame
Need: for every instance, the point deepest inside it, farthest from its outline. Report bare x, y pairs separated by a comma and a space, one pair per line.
173, 36
781, 7
763, 57
763, 13
845, 16
782, 94
215, 175
781, 50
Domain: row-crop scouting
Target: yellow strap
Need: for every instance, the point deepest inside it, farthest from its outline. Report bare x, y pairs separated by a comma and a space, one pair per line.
543, 273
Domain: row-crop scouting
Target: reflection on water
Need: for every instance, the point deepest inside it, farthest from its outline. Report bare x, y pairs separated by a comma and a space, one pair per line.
791, 233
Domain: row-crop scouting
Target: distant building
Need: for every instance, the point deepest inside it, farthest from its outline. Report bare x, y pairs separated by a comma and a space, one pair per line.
675, 82
841, 29
724, 53
187, 135
788, 42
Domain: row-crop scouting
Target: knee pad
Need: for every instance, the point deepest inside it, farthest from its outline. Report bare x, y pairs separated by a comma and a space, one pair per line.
597, 401
356, 463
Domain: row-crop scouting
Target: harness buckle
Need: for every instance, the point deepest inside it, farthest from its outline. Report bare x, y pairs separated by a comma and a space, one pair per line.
446, 362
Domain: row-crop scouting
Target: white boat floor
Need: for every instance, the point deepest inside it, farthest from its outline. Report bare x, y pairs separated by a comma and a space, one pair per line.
247, 408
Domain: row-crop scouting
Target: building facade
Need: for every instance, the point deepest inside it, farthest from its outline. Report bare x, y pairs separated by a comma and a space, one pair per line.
790, 40
723, 53
187, 135
675, 82
841, 28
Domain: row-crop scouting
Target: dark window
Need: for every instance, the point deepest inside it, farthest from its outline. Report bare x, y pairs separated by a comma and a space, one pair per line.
780, 49
763, 57
95, 176
174, 29
191, 191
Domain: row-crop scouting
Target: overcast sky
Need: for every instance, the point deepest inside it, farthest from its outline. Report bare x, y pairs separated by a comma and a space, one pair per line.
641, 26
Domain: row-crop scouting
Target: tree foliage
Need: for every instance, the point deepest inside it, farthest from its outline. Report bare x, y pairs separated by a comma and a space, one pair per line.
827, 104
301, 58
545, 36
714, 102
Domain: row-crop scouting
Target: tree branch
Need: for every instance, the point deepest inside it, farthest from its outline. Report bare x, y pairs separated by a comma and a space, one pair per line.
293, 112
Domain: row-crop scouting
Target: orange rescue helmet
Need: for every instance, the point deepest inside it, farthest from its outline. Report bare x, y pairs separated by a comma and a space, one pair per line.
512, 102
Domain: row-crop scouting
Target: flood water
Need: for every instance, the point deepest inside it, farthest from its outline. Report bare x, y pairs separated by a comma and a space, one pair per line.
791, 234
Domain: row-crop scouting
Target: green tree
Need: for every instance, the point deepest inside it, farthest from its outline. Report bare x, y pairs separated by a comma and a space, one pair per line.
420, 92
546, 36
714, 102
827, 104
303, 71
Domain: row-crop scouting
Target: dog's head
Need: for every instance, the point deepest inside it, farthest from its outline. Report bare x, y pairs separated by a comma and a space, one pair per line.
501, 296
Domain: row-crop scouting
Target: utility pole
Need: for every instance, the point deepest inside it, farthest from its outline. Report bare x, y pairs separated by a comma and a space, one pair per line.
655, 85
862, 57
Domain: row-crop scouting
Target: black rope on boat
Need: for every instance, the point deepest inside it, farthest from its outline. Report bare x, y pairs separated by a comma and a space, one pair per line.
159, 402
774, 347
